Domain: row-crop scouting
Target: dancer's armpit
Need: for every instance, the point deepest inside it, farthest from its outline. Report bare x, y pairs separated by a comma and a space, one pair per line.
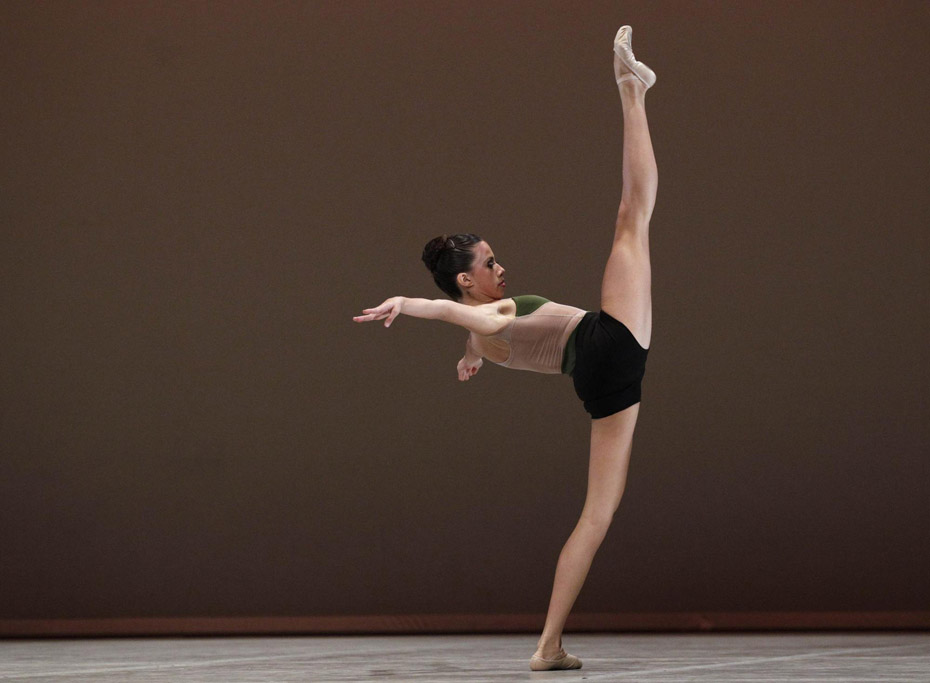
483, 319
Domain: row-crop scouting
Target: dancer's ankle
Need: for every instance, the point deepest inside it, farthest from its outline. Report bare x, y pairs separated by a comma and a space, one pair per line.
549, 649
632, 90
632, 99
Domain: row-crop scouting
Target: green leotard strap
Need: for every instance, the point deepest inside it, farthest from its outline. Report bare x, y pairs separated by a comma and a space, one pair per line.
568, 356
527, 303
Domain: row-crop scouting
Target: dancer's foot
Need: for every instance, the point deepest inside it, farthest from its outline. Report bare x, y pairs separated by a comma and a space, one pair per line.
561, 660
625, 65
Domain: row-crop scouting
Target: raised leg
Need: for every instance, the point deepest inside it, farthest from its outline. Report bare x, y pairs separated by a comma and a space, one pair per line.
626, 289
640, 173
611, 445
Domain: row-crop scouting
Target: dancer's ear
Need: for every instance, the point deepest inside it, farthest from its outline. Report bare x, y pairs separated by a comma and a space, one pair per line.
464, 280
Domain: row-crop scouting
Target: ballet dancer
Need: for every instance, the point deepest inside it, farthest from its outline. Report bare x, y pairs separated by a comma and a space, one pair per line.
603, 351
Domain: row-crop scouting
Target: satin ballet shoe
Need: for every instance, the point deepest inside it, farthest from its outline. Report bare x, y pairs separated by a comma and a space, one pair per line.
623, 47
563, 661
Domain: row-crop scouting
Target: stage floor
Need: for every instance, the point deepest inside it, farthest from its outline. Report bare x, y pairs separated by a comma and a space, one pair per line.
795, 657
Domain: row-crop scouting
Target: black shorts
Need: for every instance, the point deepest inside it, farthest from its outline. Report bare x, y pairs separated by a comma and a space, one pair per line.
609, 365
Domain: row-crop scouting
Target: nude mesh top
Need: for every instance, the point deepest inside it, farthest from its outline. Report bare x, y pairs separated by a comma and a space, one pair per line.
539, 336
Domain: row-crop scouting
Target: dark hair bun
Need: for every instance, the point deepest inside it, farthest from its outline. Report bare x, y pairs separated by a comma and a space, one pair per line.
433, 250
448, 255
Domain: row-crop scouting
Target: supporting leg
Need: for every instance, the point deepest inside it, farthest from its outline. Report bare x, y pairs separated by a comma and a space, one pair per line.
611, 445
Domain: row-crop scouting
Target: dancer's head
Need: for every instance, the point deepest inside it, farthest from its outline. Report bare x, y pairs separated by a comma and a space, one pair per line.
463, 266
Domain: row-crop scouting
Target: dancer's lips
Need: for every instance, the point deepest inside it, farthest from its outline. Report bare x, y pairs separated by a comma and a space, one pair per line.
503, 283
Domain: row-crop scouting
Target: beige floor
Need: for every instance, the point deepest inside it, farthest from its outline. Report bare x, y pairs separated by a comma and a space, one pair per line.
795, 657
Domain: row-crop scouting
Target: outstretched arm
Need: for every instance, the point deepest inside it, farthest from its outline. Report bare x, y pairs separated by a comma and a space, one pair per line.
393, 307
483, 319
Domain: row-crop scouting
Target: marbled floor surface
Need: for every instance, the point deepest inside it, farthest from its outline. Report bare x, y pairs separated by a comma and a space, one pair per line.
796, 657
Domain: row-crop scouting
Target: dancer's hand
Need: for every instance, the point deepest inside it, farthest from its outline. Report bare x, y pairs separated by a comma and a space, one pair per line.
390, 309
468, 368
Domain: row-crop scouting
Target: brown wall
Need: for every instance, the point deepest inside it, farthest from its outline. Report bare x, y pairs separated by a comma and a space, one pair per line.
197, 198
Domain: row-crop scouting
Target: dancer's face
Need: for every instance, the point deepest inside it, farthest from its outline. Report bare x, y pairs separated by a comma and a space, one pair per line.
486, 275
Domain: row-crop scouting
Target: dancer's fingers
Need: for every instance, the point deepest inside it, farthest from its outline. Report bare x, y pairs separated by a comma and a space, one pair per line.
369, 316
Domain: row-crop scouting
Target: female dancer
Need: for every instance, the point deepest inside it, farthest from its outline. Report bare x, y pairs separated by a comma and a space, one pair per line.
604, 352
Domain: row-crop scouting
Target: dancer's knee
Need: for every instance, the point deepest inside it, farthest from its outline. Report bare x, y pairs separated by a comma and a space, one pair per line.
632, 221
598, 520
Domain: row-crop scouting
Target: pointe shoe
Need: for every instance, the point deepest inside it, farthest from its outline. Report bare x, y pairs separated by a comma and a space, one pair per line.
623, 47
563, 661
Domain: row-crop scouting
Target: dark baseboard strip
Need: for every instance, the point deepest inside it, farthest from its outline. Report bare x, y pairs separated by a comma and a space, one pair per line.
461, 623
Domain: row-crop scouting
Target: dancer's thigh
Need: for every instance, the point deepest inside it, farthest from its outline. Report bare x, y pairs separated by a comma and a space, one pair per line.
626, 289
611, 446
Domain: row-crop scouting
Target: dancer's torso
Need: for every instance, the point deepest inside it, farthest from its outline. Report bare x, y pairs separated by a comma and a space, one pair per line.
537, 336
